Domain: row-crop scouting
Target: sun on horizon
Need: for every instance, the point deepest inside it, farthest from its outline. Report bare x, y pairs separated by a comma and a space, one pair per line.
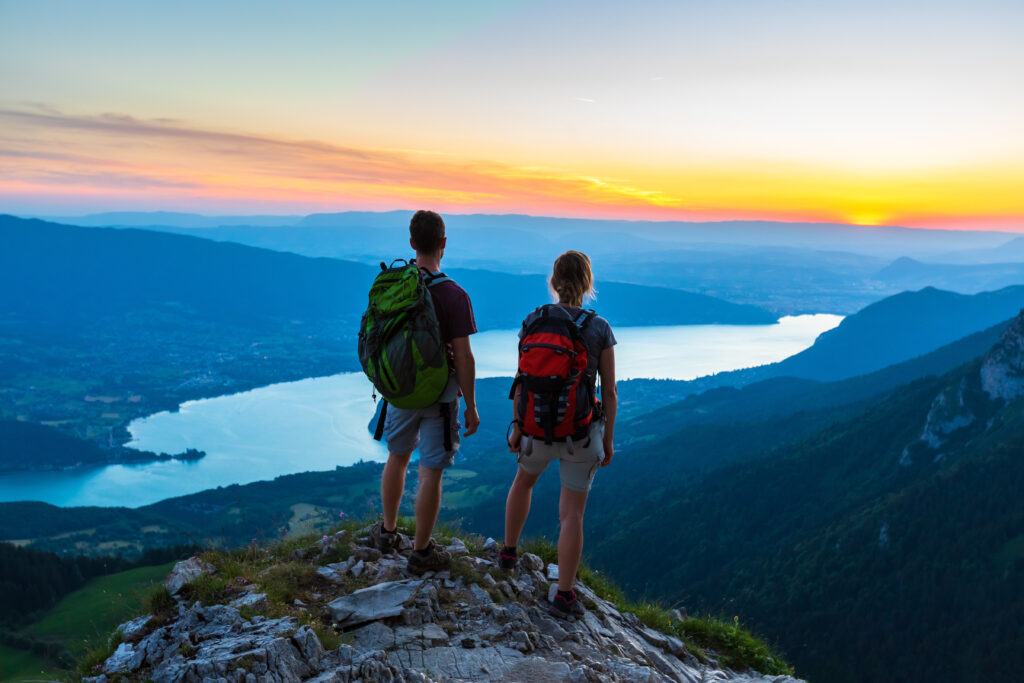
670, 111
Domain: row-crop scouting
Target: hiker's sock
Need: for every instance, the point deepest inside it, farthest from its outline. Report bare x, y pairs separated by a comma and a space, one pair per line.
424, 552
509, 550
387, 530
568, 595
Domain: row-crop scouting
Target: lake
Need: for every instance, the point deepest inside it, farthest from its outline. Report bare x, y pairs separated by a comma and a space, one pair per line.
319, 423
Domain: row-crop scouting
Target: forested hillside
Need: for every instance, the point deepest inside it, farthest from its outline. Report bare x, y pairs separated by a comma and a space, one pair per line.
887, 542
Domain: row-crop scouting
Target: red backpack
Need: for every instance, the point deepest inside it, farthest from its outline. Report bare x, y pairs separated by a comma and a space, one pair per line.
558, 394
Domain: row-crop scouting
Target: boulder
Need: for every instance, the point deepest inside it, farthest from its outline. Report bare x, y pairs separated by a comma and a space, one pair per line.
185, 572
531, 562
251, 600
457, 548
375, 602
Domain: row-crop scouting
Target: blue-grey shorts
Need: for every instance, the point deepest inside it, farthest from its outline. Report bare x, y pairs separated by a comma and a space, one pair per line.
575, 469
407, 428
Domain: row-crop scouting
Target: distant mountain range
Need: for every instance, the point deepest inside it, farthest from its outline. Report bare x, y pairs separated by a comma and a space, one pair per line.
890, 331
65, 273
877, 240
784, 267
909, 274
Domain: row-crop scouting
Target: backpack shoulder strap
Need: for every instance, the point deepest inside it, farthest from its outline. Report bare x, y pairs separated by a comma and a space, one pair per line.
432, 279
584, 318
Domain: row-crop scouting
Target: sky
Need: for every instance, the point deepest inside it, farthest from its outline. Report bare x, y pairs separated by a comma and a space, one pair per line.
896, 112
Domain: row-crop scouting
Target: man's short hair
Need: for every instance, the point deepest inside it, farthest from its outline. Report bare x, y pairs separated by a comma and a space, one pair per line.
427, 231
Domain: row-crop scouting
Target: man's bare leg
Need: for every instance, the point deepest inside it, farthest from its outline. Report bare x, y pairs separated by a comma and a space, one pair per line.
392, 485
428, 503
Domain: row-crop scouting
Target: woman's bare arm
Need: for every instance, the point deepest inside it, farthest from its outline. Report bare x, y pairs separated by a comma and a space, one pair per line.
609, 401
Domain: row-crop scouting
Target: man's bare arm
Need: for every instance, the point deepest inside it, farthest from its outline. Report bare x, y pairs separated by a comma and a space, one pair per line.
465, 372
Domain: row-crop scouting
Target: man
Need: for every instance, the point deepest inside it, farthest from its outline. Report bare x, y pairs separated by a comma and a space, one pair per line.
405, 429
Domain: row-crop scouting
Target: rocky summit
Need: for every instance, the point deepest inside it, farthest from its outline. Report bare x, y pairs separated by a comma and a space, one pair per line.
375, 622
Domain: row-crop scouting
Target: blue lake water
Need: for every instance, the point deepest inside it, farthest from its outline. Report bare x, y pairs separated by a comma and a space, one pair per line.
319, 423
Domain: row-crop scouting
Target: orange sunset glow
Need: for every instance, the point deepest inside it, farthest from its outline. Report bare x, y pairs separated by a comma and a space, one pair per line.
780, 125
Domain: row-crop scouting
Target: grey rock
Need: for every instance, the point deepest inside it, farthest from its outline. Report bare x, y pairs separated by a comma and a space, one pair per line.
479, 563
457, 548
132, 631
367, 554
434, 634
491, 546
374, 636
411, 631
531, 562
552, 572
375, 602
185, 572
480, 594
357, 568
126, 658
330, 574
253, 600
537, 669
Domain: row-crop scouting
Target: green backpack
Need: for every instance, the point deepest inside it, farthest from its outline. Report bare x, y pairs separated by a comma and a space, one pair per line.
400, 345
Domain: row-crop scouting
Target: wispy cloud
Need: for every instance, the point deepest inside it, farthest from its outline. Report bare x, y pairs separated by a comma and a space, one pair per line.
43, 148
113, 160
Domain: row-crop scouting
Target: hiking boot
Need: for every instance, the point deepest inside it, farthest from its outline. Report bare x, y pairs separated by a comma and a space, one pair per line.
563, 607
434, 560
508, 558
384, 540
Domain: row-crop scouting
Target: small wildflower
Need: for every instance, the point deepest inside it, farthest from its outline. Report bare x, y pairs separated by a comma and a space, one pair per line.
340, 514
325, 537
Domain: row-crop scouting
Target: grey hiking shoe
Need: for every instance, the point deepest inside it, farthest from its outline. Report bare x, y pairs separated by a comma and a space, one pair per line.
383, 540
566, 607
435, 560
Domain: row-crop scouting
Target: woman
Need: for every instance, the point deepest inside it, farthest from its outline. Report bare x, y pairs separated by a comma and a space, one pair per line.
579, 456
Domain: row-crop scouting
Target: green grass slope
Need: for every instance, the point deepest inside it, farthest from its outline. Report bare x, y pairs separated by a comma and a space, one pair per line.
81, 622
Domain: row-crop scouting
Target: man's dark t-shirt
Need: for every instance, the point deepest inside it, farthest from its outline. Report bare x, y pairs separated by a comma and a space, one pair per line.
454, 311
455, 317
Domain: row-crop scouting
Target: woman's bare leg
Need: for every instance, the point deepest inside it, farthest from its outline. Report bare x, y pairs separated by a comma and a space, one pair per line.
517, 506
570, 539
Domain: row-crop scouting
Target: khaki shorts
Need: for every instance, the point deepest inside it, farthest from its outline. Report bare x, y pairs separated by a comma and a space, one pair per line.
576, 469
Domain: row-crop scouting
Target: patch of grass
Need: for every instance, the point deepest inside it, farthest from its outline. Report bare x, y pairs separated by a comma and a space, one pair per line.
97, 654
336, 553
19, 665
601, 585
653, 615
284, 582
461, 569
541, 547
161, 605
734, 646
